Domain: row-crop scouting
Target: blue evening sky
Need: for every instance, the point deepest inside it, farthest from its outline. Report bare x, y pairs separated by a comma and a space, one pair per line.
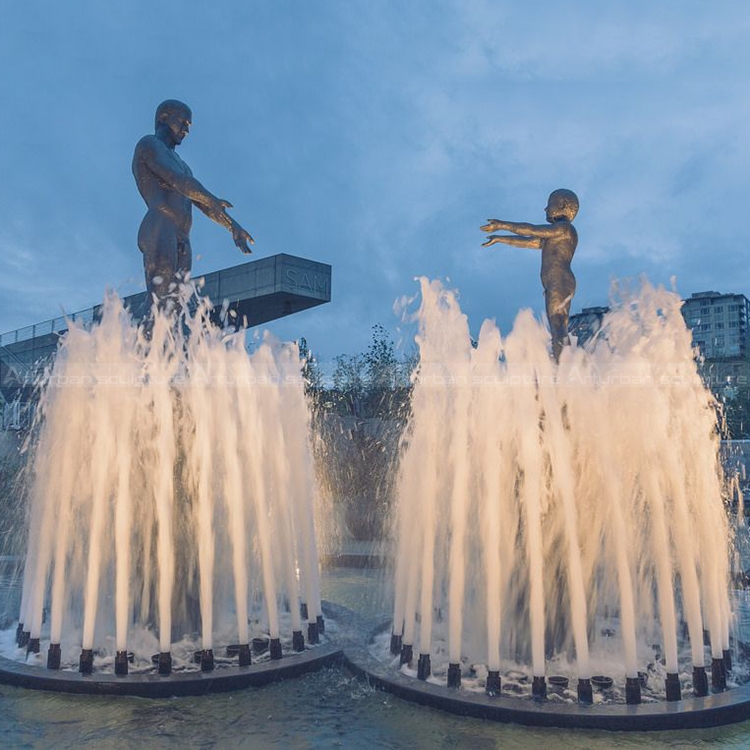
377, 135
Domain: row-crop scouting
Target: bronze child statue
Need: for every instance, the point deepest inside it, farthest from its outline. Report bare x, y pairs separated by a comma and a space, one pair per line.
558, 243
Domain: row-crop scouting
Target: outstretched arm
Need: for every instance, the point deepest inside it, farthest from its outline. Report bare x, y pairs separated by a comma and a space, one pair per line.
155, 155
542, 231
157, 158
513, 239
241, 237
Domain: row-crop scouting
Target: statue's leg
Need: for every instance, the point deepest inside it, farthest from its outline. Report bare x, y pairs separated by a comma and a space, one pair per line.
158, 242
558, 299
184, 258
558, 326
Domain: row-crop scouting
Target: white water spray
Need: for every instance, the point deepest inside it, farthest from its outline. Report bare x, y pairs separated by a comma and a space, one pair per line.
158, 478
550, 502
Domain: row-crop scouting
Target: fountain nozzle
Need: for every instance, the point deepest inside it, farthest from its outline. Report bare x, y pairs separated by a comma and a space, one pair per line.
86, 662
396, 643
727, 655
312, 633
632, 691
54, 656
424, 667
121, 663
274, 648
165, 663
493, 684
298, 640
244, 654
674, 691
207, 660
585, 691
454, 675
700, 682
407, 653
539, 687
718, 675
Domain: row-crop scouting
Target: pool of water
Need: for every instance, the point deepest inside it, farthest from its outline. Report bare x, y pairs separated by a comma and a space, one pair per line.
323, 710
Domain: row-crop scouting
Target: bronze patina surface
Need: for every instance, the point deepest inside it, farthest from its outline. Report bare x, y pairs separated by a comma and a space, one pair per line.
558, 242
170, 191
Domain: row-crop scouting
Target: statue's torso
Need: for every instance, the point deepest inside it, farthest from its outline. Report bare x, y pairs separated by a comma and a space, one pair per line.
163, 201
557, 254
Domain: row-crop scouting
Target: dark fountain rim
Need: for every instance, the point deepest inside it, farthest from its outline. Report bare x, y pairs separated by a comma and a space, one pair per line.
728, 707
177, 684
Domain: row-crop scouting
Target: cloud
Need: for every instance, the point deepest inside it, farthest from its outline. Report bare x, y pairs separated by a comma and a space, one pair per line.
377, 137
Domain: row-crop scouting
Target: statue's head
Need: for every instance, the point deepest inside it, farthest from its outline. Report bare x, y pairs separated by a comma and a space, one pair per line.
562, 204
176, 117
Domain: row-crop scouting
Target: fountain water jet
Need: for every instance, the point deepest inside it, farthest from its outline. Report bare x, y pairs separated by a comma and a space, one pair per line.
170, 465
541, 503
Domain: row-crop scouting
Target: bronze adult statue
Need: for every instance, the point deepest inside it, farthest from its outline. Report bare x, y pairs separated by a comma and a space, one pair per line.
558, 243
169, 189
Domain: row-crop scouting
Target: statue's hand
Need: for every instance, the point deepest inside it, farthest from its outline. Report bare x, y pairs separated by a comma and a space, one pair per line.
242, 238
217, 207
492, 225
491, 240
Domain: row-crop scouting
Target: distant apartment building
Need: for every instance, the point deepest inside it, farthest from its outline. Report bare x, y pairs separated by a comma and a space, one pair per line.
719, 326
586, 324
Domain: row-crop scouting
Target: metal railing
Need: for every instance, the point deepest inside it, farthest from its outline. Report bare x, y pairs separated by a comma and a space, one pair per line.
46, 327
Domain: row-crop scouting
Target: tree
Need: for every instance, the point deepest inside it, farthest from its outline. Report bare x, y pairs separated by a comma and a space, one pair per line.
358, 422
737, 415
310, 371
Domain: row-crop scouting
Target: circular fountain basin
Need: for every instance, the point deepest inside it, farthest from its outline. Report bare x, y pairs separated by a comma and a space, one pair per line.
224, 678
153, 685
727, 707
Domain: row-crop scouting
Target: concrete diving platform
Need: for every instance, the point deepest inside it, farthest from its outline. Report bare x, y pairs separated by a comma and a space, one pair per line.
256, 292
